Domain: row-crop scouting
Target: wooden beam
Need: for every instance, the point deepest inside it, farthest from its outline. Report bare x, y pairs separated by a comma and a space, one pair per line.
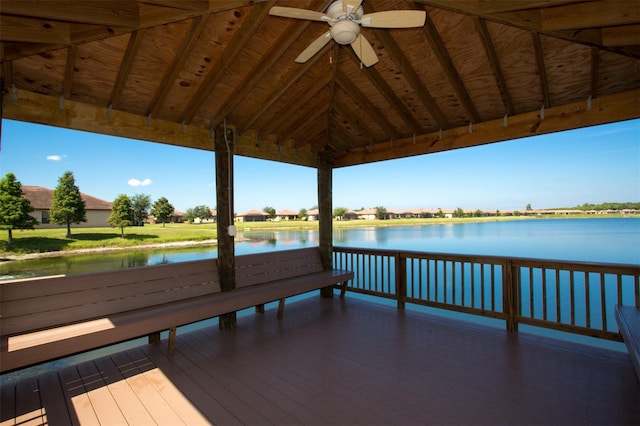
232, 50
396, 55
125, 66
268, 59
450, 69
191, 37
119, 13
362, 101
604, 110
33, 30
325, 214
542, 72
494, 61
72, 55
595, 71
37, 108
624, 35
590, 15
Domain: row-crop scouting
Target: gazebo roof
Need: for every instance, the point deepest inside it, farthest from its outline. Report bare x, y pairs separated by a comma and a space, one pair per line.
173, 71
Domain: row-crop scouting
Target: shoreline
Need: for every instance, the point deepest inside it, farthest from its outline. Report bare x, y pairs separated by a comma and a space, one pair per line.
63, 253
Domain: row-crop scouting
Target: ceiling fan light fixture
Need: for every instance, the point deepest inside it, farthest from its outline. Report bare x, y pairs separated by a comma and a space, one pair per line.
345, 32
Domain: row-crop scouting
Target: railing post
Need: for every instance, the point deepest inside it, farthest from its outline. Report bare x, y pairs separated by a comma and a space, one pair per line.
401, 280
510, 296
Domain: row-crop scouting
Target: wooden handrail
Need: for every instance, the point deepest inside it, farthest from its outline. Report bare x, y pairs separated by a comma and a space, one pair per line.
577, 297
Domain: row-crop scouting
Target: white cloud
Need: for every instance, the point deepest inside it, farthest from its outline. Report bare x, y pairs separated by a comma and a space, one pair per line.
55, 157
136, 182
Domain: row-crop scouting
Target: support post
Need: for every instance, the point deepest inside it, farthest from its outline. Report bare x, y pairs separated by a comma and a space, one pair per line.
325, 214
224, 139
510, 296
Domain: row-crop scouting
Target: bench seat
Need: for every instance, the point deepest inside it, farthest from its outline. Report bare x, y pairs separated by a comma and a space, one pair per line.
32, 343
628, 318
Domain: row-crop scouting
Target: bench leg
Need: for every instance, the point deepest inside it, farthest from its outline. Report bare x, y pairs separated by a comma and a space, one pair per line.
343, 289
172, 340
281, 308
260, 308
154, 338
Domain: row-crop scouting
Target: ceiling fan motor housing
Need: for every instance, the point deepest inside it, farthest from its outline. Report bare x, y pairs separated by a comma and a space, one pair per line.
345, 31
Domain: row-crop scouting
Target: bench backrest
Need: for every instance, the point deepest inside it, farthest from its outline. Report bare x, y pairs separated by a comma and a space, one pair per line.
39, 303
258, 268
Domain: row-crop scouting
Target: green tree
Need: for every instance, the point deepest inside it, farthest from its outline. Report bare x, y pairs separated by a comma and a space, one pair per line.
141, 204
458, 212
381, 213
303, 214
478, 213
202, 212
121, 213
162, 210
528, 207
340, 212
67, 206
440, 214
270, 211
14, 207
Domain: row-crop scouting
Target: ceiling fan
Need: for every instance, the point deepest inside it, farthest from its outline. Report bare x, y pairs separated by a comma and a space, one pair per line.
345, 18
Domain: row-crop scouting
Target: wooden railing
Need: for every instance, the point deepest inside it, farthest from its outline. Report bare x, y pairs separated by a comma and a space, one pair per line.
577, 297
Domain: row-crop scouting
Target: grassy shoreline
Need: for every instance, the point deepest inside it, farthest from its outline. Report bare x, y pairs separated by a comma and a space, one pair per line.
47, 242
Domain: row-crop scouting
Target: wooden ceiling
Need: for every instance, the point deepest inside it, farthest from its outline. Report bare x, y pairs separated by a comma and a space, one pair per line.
174, 71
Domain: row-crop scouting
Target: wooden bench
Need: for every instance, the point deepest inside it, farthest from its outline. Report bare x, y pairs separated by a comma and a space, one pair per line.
628, 318
51, 317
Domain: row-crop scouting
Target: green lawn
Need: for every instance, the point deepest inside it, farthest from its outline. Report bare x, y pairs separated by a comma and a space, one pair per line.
47, 240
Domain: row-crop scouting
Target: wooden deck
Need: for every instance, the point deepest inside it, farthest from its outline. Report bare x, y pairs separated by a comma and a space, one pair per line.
338, 362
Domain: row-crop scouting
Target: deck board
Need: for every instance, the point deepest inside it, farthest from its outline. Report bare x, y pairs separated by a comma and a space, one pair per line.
339, 362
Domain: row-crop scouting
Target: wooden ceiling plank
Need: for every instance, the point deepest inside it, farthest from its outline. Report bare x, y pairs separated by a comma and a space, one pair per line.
394, 100
119, 13
33, 30
268, 101
476, 7
125, 67
294, 109
606, 109
344, 139
311, 122
595, 71
450, 69
345, 112
72, 55
542, 73
361, 99
182, 4
590, 15
182, 54
269, 58
624, 35
494, 61
391, 47
240, 38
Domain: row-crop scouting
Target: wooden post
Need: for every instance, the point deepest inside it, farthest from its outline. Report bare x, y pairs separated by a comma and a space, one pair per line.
224, 201
325, 215
510, 296
401, 280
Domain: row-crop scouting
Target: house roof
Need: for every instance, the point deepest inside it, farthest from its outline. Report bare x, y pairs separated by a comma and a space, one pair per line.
253, 213
41, 199
478, 71
286, 212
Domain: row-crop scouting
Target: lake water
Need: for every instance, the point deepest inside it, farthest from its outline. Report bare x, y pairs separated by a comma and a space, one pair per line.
608, 240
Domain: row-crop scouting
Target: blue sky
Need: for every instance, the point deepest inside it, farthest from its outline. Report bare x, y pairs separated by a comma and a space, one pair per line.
595, 165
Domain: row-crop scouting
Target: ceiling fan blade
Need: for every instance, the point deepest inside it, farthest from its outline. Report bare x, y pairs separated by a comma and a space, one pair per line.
314, 47
394, 19
292, 12
364, 51
349, 6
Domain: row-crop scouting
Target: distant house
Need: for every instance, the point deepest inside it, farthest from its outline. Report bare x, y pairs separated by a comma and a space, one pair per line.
286, 215
252, 216
41, 198
313, 214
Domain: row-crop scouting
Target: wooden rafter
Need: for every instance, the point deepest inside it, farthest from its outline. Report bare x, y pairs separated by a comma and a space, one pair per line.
355, 121
450, 69
125, 67
542, 72
233, 49
361, 100
595, 67
72, 54
495, 63
197, 26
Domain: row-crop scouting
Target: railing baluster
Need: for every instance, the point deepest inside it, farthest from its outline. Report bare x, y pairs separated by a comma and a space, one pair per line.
587, 307
603, 302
